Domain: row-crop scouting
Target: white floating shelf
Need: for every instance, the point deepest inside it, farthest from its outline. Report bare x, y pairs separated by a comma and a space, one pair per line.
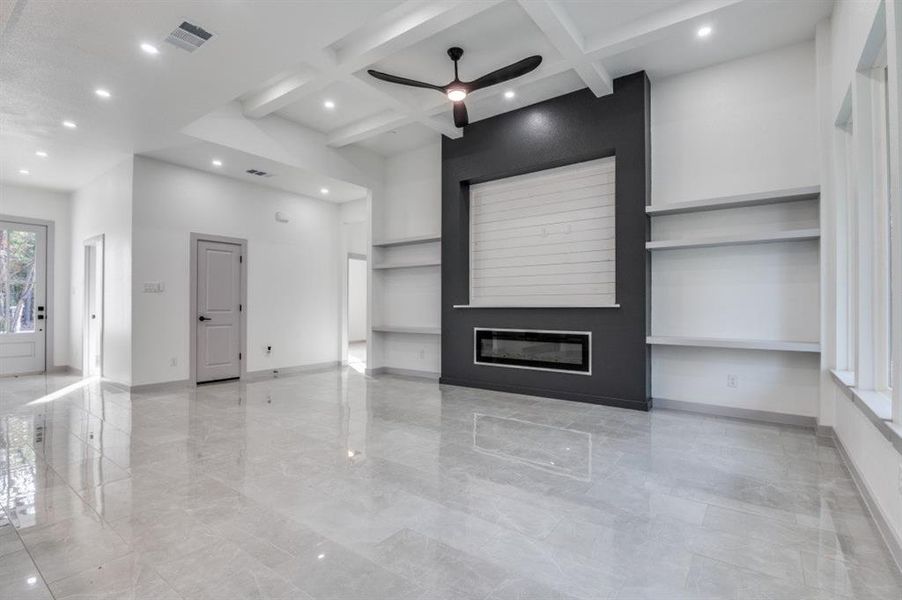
757, 199
794, 235
739, 344
408, 265
422, 239
413, 330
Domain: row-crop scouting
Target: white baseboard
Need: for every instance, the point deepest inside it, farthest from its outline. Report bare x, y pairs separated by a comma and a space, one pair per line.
163, 386
288, 371
404, 373
892, 541
736, 413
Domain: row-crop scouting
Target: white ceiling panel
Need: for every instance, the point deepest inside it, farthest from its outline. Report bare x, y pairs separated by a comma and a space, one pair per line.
596, 17
742, 30
401, 139
349, 106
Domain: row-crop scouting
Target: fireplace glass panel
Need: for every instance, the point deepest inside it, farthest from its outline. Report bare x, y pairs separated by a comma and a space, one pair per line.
551, 350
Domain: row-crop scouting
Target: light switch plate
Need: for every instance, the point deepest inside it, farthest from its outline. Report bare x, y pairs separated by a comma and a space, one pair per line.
154, 287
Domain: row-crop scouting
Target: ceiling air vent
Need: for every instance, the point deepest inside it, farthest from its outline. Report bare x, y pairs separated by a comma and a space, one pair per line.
188, 36
258, 173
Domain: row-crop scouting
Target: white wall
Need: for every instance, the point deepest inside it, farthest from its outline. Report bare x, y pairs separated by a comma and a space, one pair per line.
413, 194
293, 281
357, 300
34, 203
743, 126
104, 206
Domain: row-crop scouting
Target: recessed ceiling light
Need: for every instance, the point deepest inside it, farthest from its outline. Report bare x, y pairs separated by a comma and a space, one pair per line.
216, 162
149, 48
509, 94
323, 191
41, 153
24, 171
704, 31
329, 104
69, 124
102, 93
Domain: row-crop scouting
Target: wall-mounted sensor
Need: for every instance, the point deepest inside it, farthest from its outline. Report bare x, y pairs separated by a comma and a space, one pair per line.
281, 217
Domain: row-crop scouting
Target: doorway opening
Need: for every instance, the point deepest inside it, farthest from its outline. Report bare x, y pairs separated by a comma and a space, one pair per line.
357, 309
218, 330
92, 355
23, 297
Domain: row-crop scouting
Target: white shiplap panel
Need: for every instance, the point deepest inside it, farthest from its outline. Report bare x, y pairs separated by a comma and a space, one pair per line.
545, 239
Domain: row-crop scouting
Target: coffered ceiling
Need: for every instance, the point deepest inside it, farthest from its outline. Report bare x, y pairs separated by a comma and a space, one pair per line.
301, 66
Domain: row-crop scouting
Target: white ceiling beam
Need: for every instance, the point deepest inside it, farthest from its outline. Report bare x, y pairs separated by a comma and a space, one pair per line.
285, 92
652, 27
415, 22
316, 73
367, 128
408, 24
552, 19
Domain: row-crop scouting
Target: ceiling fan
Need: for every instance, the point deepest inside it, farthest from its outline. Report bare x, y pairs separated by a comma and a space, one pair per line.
457, 90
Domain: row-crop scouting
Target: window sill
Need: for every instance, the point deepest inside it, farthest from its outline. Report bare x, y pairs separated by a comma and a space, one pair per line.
876, 406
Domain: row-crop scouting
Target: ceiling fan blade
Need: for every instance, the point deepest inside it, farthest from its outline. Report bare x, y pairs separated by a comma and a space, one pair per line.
521, 67
460, 114
404, 81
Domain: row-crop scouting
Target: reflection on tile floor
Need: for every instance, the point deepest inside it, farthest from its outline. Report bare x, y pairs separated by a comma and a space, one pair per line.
335, 485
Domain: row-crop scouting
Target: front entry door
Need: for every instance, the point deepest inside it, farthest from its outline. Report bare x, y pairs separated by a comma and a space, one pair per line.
218, 308
23, 298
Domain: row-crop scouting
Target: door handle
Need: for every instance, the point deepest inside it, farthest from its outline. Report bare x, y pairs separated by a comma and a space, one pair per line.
202, 318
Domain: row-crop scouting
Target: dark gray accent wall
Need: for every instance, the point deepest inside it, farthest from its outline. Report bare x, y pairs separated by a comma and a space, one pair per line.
568, 129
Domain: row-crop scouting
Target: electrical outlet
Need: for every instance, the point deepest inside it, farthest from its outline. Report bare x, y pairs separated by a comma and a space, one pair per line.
732, 381
173, 362
422, 354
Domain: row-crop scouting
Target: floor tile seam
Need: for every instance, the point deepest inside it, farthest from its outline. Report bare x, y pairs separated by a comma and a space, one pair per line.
149, 564
27, 551
100, 517
891, 570
96, 416
745, 567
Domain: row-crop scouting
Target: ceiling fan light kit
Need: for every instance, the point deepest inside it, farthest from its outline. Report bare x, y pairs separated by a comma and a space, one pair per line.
457, 90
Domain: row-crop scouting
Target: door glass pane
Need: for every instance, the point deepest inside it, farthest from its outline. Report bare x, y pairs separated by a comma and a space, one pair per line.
18, 251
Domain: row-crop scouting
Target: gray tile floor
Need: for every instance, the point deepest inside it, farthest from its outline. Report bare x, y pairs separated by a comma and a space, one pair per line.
333, 485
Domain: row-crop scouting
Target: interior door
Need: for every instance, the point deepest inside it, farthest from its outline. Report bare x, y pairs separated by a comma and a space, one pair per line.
94, 308
23, 297
218, 308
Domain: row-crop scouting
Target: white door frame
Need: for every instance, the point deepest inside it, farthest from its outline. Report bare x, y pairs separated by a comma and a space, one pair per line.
49, 313
192, 293
96, 242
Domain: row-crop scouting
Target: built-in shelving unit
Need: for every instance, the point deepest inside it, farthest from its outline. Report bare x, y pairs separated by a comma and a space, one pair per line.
741, 201
407, 330
771, 223
793, 235
738, 344
406, 296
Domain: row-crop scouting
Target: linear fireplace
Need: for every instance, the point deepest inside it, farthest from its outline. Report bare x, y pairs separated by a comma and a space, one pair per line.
566, 351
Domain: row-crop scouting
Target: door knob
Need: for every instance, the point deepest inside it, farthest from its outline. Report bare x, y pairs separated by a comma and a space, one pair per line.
202, 318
